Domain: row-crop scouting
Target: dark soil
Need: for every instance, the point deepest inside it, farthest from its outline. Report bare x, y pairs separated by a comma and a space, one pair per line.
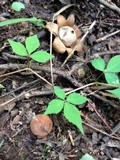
16, 140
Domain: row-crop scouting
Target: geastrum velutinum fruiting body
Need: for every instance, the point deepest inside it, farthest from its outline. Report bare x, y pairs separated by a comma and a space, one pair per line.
67, 34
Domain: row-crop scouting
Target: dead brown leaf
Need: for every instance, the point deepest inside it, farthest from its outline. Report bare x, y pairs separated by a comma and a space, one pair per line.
6, 106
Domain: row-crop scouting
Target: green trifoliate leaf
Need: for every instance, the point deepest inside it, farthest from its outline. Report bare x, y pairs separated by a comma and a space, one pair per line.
113, 64
59, 92
98, 64
18, 6
76, 98
55, 106
112, 79
32, 43
41, 56
73, 115
18, 48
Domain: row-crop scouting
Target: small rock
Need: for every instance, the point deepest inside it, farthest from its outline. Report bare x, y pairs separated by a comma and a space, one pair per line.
14, 112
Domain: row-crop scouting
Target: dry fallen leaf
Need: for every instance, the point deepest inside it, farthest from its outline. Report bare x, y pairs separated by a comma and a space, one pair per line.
4, 105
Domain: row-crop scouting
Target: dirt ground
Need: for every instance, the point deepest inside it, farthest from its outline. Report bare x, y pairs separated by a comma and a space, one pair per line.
65, 141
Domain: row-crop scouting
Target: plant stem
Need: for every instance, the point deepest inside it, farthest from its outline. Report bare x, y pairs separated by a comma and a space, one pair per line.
93, 107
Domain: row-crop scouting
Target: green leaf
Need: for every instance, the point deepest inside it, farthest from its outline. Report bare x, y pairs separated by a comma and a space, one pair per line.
41, 56
59, 92
18, 20
32, 43
112, 78
55, 106
76, 98
18, 48
1, 86
21, 157
1, 143
18, 6
40, 23
87, 157
73, 115
113, 64
115, 92
99, 64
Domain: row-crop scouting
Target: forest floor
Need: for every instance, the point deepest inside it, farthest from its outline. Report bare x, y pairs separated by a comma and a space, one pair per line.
65, 141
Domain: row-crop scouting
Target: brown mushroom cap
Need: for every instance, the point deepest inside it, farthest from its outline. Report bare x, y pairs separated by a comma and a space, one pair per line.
41, 125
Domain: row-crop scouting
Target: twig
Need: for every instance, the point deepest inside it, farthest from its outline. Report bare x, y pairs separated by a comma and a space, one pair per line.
43, 93
12, 100
15, 66
30, 93
68, 57
88, 31
102, 98
19, 88
25, 69
114, 130
107, 36
51, 64
112, 6
100, 131
7, 56
93, 107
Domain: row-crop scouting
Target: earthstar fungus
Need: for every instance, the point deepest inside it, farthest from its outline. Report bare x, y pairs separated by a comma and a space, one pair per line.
67, 34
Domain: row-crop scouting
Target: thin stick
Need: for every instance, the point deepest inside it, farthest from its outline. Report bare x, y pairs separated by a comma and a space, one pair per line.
91, 84
107, 36
51, 64
24, 69
79, 88
88, 31
92, 106
112, 6
100, 131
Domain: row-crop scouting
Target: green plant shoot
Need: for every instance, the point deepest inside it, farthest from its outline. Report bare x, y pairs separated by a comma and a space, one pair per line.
29, 49
68, 105
110, 72
34, 20
87, 157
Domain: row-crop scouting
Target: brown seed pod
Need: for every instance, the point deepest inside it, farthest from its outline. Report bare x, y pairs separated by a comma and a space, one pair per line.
41, 125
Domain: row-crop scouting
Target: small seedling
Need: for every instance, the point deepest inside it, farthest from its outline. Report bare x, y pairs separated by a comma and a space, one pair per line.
1, 86
67, 103
110, 72
29, 50
1, 143
18, 6
34, 20
87, 157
